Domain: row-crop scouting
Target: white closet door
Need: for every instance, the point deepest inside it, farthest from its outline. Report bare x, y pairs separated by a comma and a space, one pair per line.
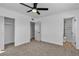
1, 33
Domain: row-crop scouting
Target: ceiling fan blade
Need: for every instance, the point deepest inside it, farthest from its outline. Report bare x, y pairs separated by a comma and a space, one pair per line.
25, 5
29, 11
38, 12
35, 5
42, 8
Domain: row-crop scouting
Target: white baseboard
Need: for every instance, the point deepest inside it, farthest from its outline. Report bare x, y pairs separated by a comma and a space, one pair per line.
22, 43
1, 51
57, 43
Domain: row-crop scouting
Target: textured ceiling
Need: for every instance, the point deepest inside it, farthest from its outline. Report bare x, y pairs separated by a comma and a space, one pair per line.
53, 8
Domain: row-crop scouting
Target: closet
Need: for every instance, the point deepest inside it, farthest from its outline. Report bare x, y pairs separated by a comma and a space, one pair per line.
8, 30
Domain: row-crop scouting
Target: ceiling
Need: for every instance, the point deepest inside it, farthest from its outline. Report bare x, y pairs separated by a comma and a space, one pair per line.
53, 8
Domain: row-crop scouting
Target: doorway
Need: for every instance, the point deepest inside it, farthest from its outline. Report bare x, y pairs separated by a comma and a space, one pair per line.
35, 31
69, 33
32, 30
9, 32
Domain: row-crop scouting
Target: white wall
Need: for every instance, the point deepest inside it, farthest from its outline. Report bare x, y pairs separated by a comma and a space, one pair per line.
21, 25
52, 27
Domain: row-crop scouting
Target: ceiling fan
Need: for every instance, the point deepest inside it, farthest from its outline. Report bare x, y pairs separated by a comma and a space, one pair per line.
34, 8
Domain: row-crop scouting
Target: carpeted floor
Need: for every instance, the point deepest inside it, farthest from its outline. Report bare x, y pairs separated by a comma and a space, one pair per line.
39, 49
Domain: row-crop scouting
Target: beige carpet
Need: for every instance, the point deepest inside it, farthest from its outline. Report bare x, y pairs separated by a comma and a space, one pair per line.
39, 49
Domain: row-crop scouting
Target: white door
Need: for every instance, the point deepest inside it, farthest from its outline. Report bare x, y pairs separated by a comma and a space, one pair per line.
74, 29
38, 31
1, 33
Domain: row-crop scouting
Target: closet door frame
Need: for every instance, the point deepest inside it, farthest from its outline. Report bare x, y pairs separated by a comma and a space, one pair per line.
4, 29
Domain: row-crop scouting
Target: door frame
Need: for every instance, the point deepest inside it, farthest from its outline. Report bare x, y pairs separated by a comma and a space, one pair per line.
13, 28
73, 19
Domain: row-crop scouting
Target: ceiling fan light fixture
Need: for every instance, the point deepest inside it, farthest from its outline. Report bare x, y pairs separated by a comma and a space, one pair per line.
34, 10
